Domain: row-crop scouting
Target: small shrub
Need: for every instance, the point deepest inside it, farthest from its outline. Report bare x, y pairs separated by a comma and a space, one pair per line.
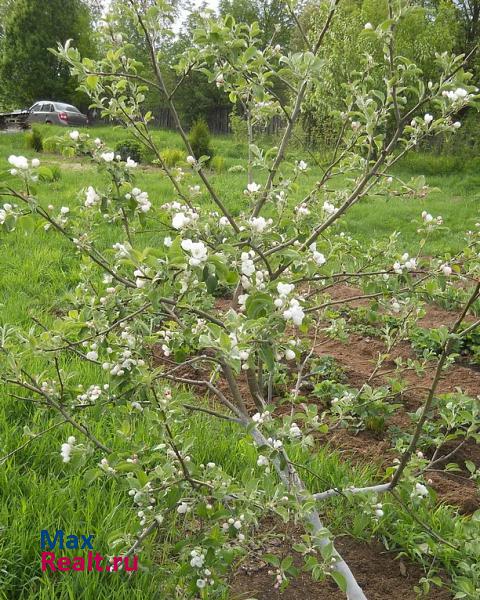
129, 148
50, 173
326, 368
430, 342
200, 140
34, 139
432, 164
239, 128
52, 145
473, 164
172, 156
218, 164
237, 169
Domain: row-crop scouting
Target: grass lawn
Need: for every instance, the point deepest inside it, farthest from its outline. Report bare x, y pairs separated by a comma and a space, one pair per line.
38, 492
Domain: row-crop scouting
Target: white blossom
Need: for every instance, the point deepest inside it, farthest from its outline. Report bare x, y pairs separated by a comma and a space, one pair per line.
260, 418
141, 280
66, 449
294, 312
7, 208
428, 218
302, 210
180, 220
141, 198
130, 163
183, 508
107, 156
262, 461
446, 269
198, 250
454, 95
74, 135
35, 163
318, 257
284, 289
329, 208
92, 197
223, 221
368, 26
253, 188
420, 491
396, 306
302, 165
259, 224
295, 431
289, 354
197, 559
428, 118
19, 162
183, 217
248, 266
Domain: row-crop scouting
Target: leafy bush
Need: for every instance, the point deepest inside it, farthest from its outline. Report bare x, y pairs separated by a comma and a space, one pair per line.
52, 145
200, 140
172, 156
50, 173
432, 164
425, 163
218, 164
327, 368
238, 125
34, 139
129, 148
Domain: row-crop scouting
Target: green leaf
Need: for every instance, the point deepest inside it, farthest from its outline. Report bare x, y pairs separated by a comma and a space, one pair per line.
212, 283
271, 559
92, 81
267, 355
340, 580
470, 466
259, 305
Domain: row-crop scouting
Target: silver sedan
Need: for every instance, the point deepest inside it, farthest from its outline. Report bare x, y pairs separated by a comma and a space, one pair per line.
56, 113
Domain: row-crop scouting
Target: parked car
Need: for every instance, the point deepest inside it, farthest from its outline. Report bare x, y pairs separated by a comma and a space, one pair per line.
56, 113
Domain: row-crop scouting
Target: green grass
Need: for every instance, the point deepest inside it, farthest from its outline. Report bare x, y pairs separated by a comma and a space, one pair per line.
37, 491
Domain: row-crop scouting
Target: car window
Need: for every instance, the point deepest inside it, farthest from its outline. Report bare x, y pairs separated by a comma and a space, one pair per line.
36, 106
47, 108
67, 107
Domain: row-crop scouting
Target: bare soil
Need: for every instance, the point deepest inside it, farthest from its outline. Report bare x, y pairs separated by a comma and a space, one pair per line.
377, 571
358, 357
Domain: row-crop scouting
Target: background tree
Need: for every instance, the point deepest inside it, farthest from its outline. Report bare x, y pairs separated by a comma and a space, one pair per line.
28, 70
421, 33
275, 20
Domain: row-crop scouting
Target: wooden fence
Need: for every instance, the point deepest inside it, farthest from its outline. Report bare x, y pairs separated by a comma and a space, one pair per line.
218, 121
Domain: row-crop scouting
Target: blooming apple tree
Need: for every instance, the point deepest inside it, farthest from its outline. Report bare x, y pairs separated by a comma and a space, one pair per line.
150, 320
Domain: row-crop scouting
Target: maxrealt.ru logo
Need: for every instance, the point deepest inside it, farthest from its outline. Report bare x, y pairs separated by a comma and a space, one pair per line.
51, 561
